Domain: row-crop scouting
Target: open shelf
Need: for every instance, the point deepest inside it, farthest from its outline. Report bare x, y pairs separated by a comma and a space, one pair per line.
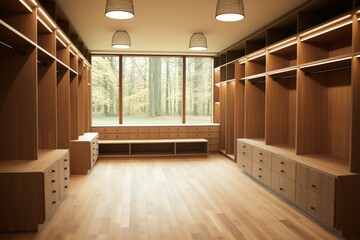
152, 149
62, 50
45, 36
191, 148
114, 149
282, 55
256, 64
327, 41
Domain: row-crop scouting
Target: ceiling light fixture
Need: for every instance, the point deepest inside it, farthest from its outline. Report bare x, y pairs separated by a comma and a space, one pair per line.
230, 10
198, 42
121, 39
119, 9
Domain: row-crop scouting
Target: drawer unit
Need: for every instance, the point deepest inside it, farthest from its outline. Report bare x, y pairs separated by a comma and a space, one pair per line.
144, 135
64, 171
203, 129
315, 204
52, 189
175, 135
113, 136
117, 130
244, 149
245, 164
261, 157
173, 129
205, 135
283, 166
261, 173
143, 130
283, 186
316, 181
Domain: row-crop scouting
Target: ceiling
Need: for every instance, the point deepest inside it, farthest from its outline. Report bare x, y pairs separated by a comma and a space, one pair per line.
165, 26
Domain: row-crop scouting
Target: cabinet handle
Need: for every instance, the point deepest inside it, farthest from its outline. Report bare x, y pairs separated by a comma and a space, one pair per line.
65, 168
281, 189
282, 171
282, 163
65, 160
313, 185
259, 176
244, 146
66, 178
53, 171
66, 186
243, 165
244, 153
312, 208
261, 160
259, 169
54, 202
260, 153
54, 191
53, 181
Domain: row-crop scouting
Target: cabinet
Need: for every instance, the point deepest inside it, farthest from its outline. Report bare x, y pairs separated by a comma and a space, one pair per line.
32, 190
84, 153
327, 192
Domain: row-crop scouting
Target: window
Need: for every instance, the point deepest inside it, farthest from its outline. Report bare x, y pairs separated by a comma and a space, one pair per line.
152, 90
105, 90
199, 90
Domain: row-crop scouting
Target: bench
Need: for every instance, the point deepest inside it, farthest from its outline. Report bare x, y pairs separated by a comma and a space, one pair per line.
153, 147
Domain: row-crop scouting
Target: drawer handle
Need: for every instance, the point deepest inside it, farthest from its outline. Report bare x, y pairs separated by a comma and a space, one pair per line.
313, 208
261, 160
53, 171
282, 163
260, 153
244, 153
65, 160
259, 169
66, 178
66, 186
53, 181
54, 191
54, 202
282, 171
244, 146
281, 189
313, 185
259, 176
65, 168
243, 165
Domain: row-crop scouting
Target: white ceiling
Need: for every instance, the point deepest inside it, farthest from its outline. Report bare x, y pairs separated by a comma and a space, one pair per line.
165, 26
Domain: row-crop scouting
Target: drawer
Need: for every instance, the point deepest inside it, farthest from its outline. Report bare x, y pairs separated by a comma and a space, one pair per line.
144, 129
203, 129
202, 135
173, 135
114, 136
261, 173
117, 130
316, 181
244, 149
99, 129
245, 164
173, 129
315, 204
283, 186
144, 135
283, 166
261, 157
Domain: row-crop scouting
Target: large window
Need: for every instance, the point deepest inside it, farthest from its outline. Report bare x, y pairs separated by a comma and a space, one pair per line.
152, 90
105, 89
199, 90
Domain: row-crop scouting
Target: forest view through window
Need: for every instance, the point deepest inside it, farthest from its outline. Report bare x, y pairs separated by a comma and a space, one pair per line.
152, 90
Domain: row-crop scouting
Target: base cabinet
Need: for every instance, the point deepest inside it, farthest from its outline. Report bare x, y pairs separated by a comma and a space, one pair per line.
32, 190
84, 153
328, 194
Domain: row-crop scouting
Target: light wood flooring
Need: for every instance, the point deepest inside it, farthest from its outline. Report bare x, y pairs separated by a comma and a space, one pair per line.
177, 198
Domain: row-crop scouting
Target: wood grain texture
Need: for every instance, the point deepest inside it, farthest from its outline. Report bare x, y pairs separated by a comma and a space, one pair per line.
74, 107
173, 199
230, 109
63, 110
222, 122
355, 128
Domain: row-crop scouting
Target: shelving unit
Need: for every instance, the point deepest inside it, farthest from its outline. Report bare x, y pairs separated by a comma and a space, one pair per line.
35, 124
297, 102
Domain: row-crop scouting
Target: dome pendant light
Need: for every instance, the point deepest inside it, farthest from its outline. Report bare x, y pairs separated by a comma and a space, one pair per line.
230, 10
121, 39
198, 42
119, 9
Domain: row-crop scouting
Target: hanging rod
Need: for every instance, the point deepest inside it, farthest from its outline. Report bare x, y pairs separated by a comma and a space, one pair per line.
257, 82
12, 48
327, 70
285, 77
44, 64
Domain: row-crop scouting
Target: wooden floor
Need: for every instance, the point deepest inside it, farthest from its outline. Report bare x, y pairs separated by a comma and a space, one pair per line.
183, 198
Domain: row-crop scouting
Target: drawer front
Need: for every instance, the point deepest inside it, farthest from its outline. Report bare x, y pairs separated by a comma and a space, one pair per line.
262, 157
144, 135
143, 129
245, 164
203, 129
244, 149
203, 135
99, 129
316, 181
113, 136
261, 173
66, 169
316, 205
51, 189
173, 129
283, 186
173, 135
117, 130
283, 166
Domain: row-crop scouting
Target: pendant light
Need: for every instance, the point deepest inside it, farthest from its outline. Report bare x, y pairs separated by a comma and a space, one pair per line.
121, 39
230, 10
119, 9
198, 42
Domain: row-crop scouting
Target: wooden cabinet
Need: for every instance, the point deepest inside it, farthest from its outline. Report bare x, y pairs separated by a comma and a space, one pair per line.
283, 186
261, 173
31, 191
245, 164
84, 152
261, 157
283, 166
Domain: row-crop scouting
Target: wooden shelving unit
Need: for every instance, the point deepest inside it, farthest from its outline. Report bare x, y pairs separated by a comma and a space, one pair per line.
38, 93
296, 97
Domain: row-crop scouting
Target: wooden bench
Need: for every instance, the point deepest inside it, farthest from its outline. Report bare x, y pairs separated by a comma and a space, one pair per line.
153, 147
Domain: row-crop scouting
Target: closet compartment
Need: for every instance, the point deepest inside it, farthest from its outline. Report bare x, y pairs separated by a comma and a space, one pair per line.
74, 106
282, 55
324, 112
46, 34
222, 117
281, 108
256, 64
229, 118
62, 48
216, 96
18, 95
239, 100
255, 108
333, 39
